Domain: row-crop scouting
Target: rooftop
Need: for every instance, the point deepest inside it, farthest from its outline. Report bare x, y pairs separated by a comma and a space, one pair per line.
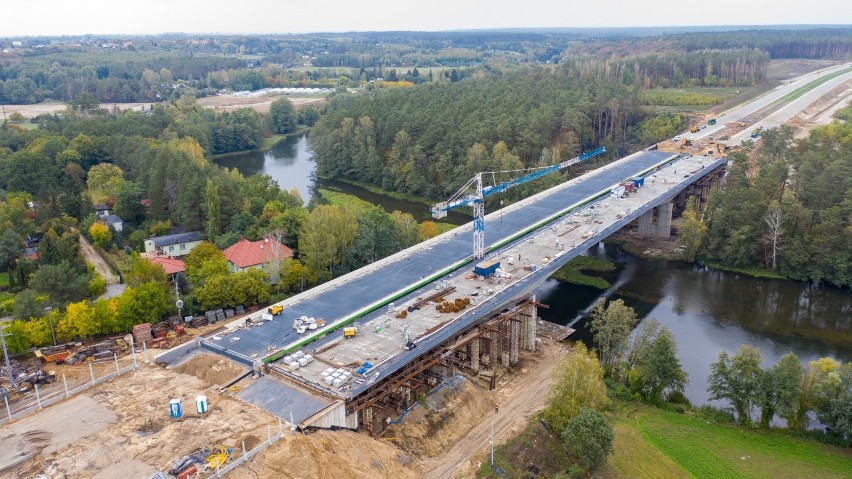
245, 253
170, 265
177, 238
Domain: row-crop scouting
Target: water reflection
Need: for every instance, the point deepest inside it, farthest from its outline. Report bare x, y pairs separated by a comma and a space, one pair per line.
708, 311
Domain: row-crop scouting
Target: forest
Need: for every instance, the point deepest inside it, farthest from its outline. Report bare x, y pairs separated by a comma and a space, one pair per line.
429, 140
786, 206
148, 69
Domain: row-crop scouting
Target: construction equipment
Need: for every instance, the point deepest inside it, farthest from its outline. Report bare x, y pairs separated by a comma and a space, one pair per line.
694, 129
756, 132
348, 332
476, 199
275, 309
218, 457
55, 354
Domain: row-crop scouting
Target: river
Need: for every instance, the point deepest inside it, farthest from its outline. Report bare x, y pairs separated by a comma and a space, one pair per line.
290, 163
709, 311
706, 310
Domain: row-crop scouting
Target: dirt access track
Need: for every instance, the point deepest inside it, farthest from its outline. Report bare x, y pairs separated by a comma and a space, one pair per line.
227, 102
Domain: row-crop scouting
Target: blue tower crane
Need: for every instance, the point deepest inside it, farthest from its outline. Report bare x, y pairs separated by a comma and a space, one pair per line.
476, 199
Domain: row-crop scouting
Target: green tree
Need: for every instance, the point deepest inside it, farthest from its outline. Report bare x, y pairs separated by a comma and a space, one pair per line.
214, 213
787, 383
835, 410
128, 204
611, 326
293, 273
661, 370
588, 438
28, 304
104, 181
692, 232
142, 271
812, 397
737, 379
248, 287
326, 234
216, 292
78, 321
62, 283
282, 117
100, 234
147, 303
10, 249
205, 261
577, 383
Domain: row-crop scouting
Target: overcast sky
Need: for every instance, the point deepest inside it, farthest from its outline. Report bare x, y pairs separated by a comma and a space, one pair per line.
72, 17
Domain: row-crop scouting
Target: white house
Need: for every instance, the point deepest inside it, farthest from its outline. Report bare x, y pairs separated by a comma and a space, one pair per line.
173, 245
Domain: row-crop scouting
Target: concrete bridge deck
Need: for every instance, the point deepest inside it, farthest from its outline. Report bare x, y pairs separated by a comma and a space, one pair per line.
351, 296
553, 241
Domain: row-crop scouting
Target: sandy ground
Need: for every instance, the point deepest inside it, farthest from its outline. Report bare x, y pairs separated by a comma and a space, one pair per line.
92, 257
219, 102
122, 428
519, 399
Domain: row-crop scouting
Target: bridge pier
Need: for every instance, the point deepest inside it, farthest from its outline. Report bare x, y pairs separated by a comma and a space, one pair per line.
662, 227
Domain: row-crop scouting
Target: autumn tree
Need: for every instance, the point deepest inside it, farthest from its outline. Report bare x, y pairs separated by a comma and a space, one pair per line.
428, 229
142, 271
100, 234
577, 384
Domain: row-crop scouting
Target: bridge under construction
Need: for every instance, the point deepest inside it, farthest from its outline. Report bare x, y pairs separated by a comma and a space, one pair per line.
426, 312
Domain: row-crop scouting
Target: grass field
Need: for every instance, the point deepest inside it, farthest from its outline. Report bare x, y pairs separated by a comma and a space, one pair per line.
652, 443
706, 450
754, 271
572, 272
357, 204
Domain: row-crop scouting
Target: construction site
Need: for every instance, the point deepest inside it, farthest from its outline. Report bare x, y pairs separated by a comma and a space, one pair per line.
387, 371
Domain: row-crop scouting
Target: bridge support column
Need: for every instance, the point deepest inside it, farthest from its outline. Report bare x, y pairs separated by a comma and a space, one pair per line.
474, 355
531, 327
646, 224
514, 337
664, 220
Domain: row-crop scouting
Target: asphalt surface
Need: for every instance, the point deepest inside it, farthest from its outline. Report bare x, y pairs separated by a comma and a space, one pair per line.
420, 262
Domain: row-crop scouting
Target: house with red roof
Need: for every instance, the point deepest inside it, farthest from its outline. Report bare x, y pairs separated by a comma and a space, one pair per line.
172, 266
246, 254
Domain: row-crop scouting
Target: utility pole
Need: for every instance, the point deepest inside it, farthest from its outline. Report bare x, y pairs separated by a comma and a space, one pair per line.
50, 322
4, 324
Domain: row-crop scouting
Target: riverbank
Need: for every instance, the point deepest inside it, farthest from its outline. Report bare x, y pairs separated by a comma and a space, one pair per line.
267, 144
652, 443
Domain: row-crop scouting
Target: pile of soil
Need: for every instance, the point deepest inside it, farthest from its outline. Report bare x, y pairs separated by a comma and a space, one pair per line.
213, 370
448, 415
329, 454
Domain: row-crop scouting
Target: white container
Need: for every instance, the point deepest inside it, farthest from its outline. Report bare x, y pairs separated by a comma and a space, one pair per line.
337, 382
294, 365
288, 359
303, 361
324, 374
328, 380
340, 370
201, 404
309, 357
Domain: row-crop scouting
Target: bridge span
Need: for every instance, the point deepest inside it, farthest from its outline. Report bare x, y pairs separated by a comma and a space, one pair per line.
428, 295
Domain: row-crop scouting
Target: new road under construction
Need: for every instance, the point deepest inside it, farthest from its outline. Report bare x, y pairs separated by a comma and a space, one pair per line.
358, 351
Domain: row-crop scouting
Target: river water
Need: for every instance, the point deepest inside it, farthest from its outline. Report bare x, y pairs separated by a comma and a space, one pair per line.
706, 310
709, 311
290, 162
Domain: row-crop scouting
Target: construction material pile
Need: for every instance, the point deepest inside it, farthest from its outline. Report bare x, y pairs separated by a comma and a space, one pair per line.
453, 307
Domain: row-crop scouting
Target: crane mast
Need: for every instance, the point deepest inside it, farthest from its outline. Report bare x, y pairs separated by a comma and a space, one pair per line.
476, 199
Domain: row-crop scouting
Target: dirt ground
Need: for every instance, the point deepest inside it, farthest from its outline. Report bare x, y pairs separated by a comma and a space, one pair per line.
821, 112
91, 256
261, 105
122, 428
219, 102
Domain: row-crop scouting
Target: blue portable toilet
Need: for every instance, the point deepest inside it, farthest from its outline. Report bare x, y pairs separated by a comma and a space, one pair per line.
174, 408
201, 404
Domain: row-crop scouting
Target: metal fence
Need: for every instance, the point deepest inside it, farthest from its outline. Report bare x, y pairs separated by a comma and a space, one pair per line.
43, 400
222, 470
